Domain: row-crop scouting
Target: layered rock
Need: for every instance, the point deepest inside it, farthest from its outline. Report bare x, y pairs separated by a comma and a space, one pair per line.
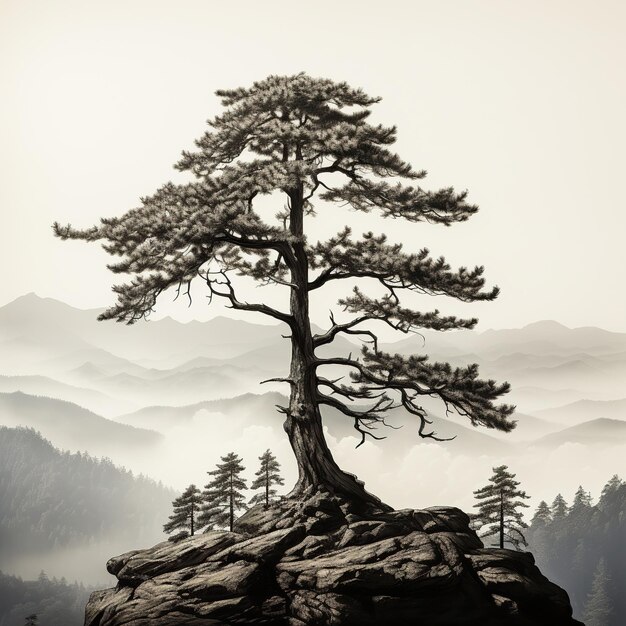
320, 561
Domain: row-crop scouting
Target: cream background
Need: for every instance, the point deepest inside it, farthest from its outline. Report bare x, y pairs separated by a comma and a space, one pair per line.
520, 102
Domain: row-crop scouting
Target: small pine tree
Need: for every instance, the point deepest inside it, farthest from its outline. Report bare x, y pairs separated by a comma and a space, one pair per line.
610, 489
266, 476
31, 620
184, 518
559, 508
582, 500
542, 516
598, 608
540, 531
497, 508
223, 496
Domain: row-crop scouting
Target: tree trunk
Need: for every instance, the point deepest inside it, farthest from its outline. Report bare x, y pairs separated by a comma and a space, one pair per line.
316, 466
191, 534
501, 519
267, 485
232, 507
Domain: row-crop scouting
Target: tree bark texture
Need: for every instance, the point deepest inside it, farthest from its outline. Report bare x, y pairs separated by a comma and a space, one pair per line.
316, 466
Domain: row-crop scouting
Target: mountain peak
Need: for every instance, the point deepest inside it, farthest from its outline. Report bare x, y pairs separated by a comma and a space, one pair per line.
34, 301
547, 325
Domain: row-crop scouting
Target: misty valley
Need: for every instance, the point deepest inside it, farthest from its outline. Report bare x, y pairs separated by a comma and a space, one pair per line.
103, 426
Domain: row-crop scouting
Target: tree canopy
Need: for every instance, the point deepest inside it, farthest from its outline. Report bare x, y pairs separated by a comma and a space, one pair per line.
267, 476
598, 607
583, 549
308, 143
223, 496
184, 517
498, 504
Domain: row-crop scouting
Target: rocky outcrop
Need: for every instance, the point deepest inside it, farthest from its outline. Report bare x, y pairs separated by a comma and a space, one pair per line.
319, 561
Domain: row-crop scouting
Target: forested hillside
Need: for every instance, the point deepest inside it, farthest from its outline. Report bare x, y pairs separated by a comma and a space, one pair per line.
52, 499
582, 547
54, 602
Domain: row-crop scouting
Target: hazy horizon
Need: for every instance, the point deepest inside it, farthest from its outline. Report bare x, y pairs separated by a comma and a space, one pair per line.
253, 318
176, 380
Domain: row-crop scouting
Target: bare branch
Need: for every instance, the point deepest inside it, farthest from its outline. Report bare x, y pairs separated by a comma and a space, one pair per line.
277, 380
230, 295
329, 335
364, 421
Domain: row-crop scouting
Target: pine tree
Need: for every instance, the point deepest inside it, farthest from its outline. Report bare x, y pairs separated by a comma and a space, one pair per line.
31, 620
559, 508
543, 515
598, 608
308, 141
569, 549
223, 496
497, 508
266, 476
184, 518
580, 514
582, 500
610, 489
540, 529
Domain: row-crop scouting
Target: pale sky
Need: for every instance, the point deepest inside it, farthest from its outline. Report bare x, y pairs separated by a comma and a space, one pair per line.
522, 103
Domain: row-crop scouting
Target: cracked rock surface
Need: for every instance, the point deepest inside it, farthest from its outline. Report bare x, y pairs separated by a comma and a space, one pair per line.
318, 561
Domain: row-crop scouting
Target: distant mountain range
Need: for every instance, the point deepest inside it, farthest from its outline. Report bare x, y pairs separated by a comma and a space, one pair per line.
41, 336
602, 431
583, 410
74, 372
72, 427
539, 338
52, 328
91, 399
168, 399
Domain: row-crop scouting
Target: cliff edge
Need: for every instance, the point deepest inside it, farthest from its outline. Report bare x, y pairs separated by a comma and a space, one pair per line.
320, 561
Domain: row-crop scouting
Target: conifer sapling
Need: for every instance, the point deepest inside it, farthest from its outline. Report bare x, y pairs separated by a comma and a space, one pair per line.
223, 496
543, 515
267, 476
184, 517
498, 504
559, 508
582, 500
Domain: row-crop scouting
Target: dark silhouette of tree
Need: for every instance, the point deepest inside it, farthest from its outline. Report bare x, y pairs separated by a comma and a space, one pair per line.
498, 504
267, 476
582, 500
570, 547
543, 515
580, 514
598, 608
612, 487
305, 143
87, 500
540, 525
184, 517
49, 602
223, 496
559, 508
